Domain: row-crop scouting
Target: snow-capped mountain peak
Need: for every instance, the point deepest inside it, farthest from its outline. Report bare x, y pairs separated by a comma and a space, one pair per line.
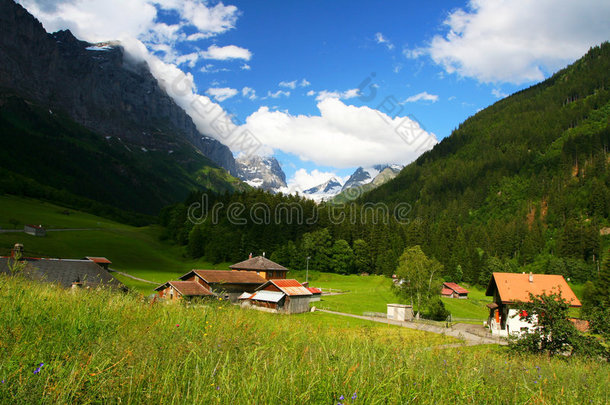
261, 172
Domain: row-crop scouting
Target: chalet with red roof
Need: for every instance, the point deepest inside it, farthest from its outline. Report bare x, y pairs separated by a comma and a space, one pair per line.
285, 295
508, 289
262, 266
452, 290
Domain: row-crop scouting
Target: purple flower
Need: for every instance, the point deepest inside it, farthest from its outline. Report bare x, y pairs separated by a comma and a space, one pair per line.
354, 396
2, 381
341, 398
38, 368
535, 382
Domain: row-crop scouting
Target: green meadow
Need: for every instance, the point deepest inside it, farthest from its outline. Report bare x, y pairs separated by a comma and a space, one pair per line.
62, 347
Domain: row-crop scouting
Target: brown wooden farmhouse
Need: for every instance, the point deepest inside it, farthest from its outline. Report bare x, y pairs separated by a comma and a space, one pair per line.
263, 267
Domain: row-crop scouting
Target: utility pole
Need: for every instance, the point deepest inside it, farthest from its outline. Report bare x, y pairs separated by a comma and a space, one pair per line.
307, 271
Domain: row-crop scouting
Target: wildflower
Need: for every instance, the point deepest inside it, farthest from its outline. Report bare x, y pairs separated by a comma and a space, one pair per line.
38, 368
177, 325
2, 381
535, 382
354, 396
341, 398
217, 388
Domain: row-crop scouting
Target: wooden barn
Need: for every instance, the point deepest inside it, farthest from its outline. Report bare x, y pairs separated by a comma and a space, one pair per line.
263, 267
294, 299
175, 290
452, 290
226, 283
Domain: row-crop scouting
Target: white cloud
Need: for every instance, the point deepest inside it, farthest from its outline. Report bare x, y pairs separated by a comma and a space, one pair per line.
303, 180
423, 96
96, 21
190, 59
341, 136
498, 93
278, 94
517, 41
311, 93
293, 84
245, 66
380, 39
343, 95
212, 20
248, 92
221, 93
289, 85
226, 53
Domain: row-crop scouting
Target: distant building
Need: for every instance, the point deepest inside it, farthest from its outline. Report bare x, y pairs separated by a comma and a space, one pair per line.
226, 283
35, 230
508, 289
175, 290
263, 267
452, 290
100, 261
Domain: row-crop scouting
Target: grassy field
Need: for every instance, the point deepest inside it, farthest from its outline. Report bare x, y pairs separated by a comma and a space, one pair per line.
137, 251
58, 346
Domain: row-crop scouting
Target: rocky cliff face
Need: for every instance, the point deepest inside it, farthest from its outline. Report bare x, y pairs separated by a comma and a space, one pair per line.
261, 172
96, 86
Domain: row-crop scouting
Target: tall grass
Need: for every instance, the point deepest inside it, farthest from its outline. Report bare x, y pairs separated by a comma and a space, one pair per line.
105, 347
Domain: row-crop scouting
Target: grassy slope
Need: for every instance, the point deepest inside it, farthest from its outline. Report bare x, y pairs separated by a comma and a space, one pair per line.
137, 251
100, 347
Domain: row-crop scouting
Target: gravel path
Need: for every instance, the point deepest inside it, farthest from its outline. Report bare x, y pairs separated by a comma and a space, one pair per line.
470, 339
133, 277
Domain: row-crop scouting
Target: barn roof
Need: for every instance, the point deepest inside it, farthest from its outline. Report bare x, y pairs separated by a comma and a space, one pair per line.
268, 296
513, 287
186, 288
258, 263
65, 272
456, 288
446, 291
98, 260
314, 290
288, 286
226, 277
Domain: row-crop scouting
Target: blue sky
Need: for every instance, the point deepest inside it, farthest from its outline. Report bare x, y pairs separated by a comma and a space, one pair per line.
290, 72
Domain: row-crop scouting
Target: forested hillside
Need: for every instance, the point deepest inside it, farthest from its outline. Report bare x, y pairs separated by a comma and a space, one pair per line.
520, 186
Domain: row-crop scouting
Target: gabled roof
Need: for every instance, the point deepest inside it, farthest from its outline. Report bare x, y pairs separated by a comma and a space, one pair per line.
268, 296
314, 290
186, 288
65, 272
513, 287
226, 277
446, 291
456, 288
288, 286
258, 263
